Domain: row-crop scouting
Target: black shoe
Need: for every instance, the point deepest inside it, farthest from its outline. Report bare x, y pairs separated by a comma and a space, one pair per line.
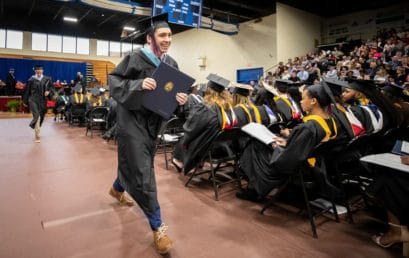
249, 195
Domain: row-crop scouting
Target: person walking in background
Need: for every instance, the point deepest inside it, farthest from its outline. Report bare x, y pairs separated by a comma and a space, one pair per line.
11, 83
37, 91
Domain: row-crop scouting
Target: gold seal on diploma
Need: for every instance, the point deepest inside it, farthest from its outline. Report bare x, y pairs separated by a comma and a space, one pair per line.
168, 86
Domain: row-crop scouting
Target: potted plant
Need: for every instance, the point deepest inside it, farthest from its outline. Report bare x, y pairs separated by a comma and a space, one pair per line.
13, 105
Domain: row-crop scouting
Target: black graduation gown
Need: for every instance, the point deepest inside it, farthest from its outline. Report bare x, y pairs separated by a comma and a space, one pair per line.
200, 129
363, 116
34, 97
11, 84
268, 168
392, 188
137, 128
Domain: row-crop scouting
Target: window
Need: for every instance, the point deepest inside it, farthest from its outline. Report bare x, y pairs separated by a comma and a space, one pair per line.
54, 43
39, 42
82, 46
3, 38
114, 48
14, 39
102, 48
69, 44
126, 48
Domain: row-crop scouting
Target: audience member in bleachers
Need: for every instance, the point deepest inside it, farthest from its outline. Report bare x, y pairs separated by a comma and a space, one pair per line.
38, 90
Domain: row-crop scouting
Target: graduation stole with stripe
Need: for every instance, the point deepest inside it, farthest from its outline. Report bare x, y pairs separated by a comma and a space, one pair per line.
327, 130
356, 125
296, 114
227, 123
81, 99
374, 113
255, 111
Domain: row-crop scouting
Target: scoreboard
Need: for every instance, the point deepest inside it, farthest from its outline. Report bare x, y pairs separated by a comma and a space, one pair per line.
185, 12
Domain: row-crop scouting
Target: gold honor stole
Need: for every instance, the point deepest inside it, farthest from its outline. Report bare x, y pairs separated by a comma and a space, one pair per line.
325, 127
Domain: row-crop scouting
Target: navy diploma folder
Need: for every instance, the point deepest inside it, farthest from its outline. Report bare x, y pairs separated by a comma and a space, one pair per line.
169, 81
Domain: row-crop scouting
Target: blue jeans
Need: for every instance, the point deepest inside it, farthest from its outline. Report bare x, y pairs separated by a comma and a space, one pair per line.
154, 219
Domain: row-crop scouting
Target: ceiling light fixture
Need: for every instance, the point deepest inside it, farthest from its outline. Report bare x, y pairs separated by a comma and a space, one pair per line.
128, 28
70, 19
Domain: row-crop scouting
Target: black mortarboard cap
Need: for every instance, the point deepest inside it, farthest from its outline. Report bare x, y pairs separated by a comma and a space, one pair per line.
394, 90
37, 67
242, 89
217, 82
282, 85
336, 86
367, 87
148, 26
77, 88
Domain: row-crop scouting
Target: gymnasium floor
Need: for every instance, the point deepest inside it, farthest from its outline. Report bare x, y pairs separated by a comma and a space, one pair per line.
55, 203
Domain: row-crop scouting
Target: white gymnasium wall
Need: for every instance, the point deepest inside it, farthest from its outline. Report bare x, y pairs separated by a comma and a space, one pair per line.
254, 46
298, 31
365, 24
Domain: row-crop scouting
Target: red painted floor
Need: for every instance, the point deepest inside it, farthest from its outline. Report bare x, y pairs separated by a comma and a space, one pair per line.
54, 203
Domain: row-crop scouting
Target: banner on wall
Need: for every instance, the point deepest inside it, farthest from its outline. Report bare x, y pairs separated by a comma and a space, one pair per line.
57, 70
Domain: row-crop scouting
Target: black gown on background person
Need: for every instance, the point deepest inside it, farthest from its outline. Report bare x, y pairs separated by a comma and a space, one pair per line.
34, 97
269, 168
137, 128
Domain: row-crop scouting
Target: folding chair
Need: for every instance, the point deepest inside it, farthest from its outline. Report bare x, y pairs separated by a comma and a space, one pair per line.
96, 118
169, 136
77, 113
319, 182
221, 154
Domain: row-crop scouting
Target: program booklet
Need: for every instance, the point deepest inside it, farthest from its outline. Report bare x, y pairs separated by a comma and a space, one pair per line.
260, 132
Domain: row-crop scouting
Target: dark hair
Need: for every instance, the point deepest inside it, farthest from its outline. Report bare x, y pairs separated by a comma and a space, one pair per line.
318, 92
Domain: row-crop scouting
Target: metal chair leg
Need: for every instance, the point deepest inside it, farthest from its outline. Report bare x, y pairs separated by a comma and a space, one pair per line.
307, 204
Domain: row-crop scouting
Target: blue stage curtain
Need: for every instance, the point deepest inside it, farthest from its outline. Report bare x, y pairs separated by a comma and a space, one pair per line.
57, 70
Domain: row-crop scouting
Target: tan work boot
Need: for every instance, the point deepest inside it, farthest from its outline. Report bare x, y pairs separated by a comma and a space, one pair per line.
122, 198
162, 242
37, 131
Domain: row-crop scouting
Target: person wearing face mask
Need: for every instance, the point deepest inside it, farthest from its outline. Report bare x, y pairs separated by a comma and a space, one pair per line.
39, 88
137, 127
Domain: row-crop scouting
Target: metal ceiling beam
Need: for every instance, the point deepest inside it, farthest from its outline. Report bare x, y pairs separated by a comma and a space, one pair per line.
211, 10
107, 19
82, 17
58, 12
32, 7
244, 6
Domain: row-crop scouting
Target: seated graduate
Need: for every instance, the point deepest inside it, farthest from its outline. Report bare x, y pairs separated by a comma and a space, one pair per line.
391, 188
60, 103
286, 104
265, 97
368, 105
269, 167
395, 93
205, 121
95, 99
247, 112
77, 102
194, 98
